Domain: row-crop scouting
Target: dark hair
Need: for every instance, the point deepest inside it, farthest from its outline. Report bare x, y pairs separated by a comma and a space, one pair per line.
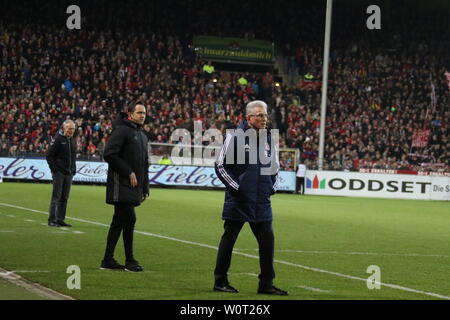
133, 104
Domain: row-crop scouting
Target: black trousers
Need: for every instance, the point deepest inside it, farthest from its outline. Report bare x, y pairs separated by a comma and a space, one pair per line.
264, 235
300, 185
60, 195
123, 220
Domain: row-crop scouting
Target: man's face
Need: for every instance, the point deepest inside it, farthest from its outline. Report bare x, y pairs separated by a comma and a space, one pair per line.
138, 116
69, 130
258, 118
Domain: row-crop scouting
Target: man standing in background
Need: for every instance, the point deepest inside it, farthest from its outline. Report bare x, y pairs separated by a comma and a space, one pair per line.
61, 160
301, 173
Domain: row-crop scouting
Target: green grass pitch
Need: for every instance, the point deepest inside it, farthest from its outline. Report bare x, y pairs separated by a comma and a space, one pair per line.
323, 246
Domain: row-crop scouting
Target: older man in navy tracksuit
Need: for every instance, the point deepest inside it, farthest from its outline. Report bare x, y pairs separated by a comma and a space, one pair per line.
247, 198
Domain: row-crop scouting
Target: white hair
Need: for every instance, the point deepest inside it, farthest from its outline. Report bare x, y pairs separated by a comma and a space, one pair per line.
65, 123
253, 104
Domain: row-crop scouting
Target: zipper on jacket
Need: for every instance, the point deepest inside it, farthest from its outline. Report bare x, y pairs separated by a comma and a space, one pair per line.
141, 152
70, 157
258, 173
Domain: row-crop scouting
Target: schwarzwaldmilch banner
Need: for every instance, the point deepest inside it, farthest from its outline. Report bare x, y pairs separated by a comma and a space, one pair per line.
234, 49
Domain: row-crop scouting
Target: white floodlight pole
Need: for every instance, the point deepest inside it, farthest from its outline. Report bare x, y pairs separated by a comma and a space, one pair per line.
326, 55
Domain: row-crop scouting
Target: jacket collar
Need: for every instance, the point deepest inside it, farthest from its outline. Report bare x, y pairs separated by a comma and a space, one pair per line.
61, 133
122, 120
244, 125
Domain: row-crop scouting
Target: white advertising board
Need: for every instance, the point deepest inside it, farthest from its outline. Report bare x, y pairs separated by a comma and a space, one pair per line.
398, 186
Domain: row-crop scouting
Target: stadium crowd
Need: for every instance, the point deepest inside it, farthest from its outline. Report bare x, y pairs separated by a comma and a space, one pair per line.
379, 91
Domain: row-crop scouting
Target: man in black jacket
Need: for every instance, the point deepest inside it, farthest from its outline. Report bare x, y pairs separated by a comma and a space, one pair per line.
61, 160
249, 185
126, 153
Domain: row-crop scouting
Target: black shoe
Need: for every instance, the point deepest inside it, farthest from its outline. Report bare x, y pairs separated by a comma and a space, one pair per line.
133, 266
272, 290
63, 224
224, 287
111, 265
52, 224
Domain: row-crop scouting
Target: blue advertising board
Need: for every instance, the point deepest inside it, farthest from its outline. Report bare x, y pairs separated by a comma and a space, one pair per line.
96, 172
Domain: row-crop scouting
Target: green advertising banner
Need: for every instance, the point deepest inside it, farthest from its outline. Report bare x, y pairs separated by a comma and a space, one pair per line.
234, 49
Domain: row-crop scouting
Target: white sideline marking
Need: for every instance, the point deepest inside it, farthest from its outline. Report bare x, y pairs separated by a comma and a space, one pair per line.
358, 253
393, 286
42, 291
314, 289
6, 231
244, 274
7, 273
66, 230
